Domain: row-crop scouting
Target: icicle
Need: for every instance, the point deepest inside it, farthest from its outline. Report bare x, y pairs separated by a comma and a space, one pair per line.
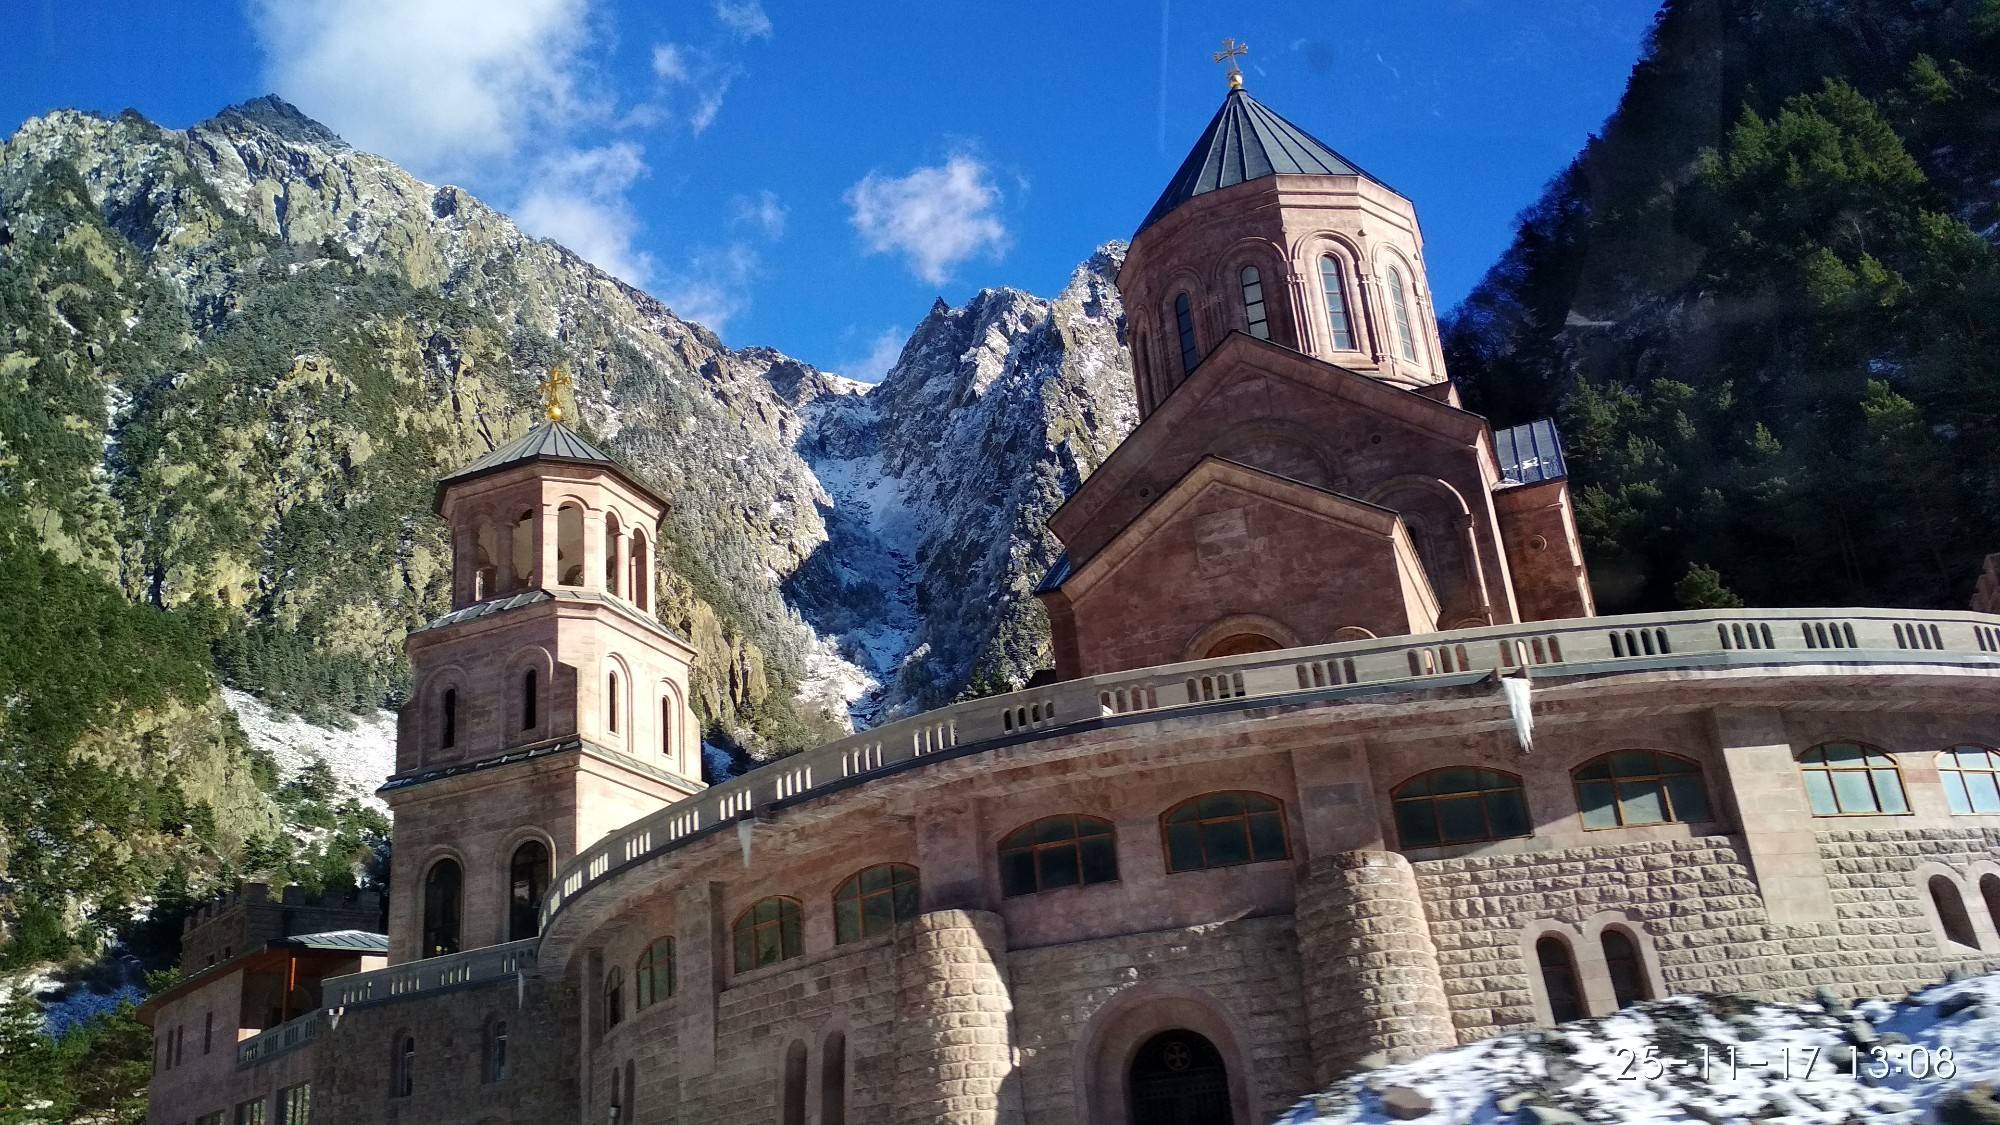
743, 829
1517, 690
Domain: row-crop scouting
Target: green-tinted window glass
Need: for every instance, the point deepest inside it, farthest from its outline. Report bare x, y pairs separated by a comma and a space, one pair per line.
1971, 777
1458, 805
1632, 787
1058, 851
1849, 779
1224, 830
872, 901
767, 933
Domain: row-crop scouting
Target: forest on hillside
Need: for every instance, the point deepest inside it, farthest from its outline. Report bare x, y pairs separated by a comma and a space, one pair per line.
1763, 304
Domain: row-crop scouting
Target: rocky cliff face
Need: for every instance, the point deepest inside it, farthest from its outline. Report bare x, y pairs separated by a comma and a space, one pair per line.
251, 348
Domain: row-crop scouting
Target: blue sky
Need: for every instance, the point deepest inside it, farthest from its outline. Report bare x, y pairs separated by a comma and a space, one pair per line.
809, 176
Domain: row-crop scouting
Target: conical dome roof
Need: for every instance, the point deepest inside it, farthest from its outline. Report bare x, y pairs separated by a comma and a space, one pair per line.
1247, 140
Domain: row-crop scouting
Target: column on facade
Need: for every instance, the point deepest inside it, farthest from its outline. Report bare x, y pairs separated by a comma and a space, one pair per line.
618, 568
954, 1022
1770, 806
1373, 986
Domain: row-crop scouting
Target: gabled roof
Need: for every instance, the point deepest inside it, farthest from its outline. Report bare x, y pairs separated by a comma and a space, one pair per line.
1246, 140
548, 441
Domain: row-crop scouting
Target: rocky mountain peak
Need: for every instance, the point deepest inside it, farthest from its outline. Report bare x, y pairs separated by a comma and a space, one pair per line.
277, 116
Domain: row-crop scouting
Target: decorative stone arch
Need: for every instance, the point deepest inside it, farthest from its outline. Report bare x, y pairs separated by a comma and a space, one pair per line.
503, 871
830, 1071
673, 734
1423, 329
1274, 274
1282, 447
431, 708
1572, 939
617, 711
1441, 529
571, 535
1933, 880
1200, 313
1591, 962
1307, 250
1352, 633
513, 688
638, 563
794, 1070
433, 856
1116, 1031
613, 525
1240, 625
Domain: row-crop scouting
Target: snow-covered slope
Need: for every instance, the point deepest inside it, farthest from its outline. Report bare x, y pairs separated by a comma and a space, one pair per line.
361, 756
1707, 1059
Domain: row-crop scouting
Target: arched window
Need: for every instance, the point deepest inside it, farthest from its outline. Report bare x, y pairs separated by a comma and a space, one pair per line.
403, 1067
767, 933
1459, 806
611, 702
485, 568
1399, 312
1631, 787
1951, 913
1971, 776
448, 719
441, 906
1849, 779
528, 699
569, 545
1058, 851
667, 725
1989, 890
873, 901
1254, 315
1224, 830
654, 977
523, 550
640, 582
1340, 328
833, 1080
792, 1107
1627, 970
1559, 979
612, 567
614, 996
1184, 326
494, 1068
527, 883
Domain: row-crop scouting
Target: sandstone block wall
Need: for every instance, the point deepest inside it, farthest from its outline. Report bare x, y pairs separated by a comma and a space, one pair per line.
954, 1035
1248, 968
1882, 941
1374, 984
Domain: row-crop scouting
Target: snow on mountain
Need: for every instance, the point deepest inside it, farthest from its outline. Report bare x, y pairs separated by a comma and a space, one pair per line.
361, 757
1711, 1059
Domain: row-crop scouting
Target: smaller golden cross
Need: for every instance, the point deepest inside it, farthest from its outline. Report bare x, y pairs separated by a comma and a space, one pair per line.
1230, 49
553, 387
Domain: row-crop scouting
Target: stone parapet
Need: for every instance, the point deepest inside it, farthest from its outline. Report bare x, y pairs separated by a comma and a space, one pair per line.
1373, 986
954, 1025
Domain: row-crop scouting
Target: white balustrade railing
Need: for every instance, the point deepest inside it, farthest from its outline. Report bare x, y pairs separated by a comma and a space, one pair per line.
431, 974
287, 1036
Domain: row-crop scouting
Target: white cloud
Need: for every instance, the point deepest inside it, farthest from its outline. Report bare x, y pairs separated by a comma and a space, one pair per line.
709, 103
763, 213
714, 287
578, 199
439, 85
744, 17
936, 217
882, 354
669, 62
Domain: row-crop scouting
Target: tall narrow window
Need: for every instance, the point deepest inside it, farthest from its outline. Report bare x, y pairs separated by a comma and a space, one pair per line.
614, 996
873, 901
641, 581
448, 719
404, 1072
528, 699
207, 1031
495, 1067
1989, 890
569, 545
1253, 304
527, 882
611, 560
1951, 913
667, 726
1628, 972
1559, 979
1399, 312
441, 904
792, 1104
1184, 325
611, 704
654, 978
1339, 327
833, 1081
1849, 779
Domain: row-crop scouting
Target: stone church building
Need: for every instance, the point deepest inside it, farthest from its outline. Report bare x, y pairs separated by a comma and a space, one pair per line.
1336, 766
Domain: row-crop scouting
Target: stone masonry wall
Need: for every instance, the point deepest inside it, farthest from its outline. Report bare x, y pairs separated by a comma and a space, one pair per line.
954, 1035
1375, 986
1249, 968
1886, 943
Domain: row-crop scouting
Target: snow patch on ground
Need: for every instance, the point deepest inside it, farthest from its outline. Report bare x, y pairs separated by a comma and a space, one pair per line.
362, 757
1706, 1059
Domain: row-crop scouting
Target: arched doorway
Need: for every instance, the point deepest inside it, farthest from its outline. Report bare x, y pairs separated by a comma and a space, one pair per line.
1241, 644
1178, 1078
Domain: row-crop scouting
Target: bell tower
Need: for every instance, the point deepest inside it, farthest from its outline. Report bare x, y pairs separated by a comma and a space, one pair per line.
549, 707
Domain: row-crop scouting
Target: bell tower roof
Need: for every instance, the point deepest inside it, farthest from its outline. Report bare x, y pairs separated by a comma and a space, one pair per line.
549, 440
1247, 140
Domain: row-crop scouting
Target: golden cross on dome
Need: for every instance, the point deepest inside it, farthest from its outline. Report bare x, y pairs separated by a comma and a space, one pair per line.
1230, 49
553, 387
